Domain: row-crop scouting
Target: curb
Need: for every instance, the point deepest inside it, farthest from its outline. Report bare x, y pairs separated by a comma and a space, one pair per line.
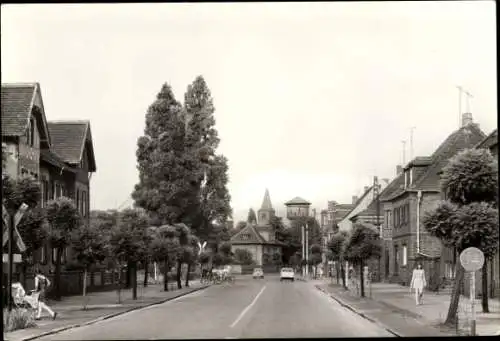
345, 305
106, 317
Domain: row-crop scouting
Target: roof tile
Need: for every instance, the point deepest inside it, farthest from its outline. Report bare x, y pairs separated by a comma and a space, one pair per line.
16, 107
68, 139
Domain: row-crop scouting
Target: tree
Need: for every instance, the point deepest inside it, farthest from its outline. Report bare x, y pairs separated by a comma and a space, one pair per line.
127, 241
252, 217
90, 246
316, 257
183, 235
164, 249
243, 256
336, 246
190, 255
226, 255
215, 200
33, 225
105, 221
362, 244
63, 218
469, 216
165, 180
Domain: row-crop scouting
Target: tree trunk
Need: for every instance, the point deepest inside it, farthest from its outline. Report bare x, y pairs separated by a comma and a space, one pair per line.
134, 280
128, 277
85, 288
342, 275
146, 273
361, 277
187, 275
179, 280
119, 284
484, 289
337, 270
165, 274
451, 318
57, 275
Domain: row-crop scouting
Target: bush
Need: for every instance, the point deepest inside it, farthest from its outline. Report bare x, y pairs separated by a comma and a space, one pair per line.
18, 319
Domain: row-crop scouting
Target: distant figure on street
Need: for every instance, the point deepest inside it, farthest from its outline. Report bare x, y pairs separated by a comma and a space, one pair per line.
41, 285
418, 283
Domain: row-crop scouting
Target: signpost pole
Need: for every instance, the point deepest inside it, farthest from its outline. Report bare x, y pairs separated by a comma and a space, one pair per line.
11, 259
472, 260
472, 302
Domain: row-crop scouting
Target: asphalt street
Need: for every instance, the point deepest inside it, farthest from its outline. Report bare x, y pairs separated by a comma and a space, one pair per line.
247, 308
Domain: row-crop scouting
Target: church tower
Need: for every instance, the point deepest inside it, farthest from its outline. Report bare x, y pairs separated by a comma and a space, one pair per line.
266, 212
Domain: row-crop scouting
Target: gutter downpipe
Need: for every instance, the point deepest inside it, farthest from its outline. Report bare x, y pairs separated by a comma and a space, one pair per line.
419, 198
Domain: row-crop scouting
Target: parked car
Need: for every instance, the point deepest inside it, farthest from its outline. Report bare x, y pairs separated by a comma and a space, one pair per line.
287, 274
258, 273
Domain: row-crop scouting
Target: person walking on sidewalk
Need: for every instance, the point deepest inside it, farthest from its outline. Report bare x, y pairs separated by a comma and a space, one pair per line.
41, 285
418, 283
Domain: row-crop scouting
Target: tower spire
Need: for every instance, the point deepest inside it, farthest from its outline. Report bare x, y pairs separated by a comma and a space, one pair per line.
266, 203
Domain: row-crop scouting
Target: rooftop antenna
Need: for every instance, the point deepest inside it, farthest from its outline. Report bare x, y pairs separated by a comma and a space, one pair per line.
460, 90
467, 100
411, 142
404, 152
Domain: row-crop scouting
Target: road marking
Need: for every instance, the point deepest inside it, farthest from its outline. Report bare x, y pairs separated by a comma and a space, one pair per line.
248, 307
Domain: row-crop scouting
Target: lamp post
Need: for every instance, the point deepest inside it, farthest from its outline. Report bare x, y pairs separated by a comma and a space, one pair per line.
307, 249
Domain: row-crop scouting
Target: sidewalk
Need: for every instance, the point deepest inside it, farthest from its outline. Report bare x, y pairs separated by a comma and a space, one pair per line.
100, 306
393, 306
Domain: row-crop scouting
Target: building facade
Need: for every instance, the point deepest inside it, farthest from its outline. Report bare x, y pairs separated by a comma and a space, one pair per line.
59, 154
260, 239
415, 191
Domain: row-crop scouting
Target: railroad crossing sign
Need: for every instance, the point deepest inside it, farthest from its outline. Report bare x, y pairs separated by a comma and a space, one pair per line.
472, 259
17, 218
202, 247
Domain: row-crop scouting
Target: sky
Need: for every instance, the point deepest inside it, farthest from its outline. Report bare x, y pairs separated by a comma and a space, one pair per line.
312, 99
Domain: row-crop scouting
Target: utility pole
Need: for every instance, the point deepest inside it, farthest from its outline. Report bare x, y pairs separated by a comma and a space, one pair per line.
303, 248
411, 142
404, 152
307, 249
459, 106
467, 100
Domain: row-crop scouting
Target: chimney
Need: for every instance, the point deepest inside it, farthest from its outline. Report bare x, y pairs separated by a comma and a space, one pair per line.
466, 119
354, 199
366, 189
399, 169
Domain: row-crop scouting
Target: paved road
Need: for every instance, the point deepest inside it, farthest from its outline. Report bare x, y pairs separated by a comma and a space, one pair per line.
246, 309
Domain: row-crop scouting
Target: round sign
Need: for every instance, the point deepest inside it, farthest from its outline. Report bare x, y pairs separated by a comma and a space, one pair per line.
472, 259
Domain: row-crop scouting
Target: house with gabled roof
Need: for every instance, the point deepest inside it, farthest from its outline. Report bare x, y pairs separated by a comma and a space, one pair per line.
491, 142
259, 238
59, 154
415, 191
361, 204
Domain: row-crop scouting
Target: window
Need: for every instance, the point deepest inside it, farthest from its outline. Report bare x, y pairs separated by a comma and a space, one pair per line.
405, 255
43, 255
403, 214
411, 176
32, 132
78, 199
84, 203
245, 236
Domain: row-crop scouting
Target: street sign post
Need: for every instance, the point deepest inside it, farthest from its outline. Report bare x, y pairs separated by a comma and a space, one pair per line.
472, 259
